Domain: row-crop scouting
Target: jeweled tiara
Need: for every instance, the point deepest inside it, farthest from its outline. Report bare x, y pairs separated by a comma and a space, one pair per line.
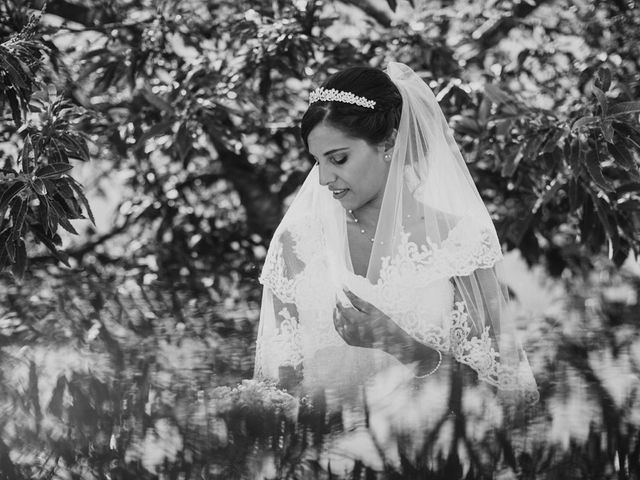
332, 95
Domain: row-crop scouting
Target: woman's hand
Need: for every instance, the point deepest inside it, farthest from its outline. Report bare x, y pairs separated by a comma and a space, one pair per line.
364, 325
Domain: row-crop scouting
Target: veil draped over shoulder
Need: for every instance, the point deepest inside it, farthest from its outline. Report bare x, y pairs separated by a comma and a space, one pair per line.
431, 269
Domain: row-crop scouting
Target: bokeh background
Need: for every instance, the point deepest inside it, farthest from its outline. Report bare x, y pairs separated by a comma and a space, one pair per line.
148, 149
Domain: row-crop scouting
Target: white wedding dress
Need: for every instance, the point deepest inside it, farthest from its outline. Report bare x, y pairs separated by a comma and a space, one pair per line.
413, 289
431, 268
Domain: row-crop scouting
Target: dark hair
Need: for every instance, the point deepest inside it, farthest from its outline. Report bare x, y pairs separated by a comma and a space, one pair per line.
373, 125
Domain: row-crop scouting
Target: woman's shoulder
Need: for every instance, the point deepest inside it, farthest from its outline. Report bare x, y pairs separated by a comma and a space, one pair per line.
300, 237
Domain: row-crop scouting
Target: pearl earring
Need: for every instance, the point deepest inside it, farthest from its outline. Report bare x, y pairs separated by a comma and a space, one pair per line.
387, 157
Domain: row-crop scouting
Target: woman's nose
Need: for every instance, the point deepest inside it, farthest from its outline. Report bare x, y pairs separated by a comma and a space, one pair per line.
325, 175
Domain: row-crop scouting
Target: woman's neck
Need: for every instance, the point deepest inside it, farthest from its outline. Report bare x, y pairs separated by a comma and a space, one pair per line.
367, 216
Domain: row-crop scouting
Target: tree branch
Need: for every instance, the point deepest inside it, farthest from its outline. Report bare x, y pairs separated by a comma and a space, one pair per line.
372, 11
492, 31
263, 207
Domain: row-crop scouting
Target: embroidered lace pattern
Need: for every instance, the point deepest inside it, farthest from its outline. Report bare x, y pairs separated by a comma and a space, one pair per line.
414, 270
433, 318
478, 353
274, 276
286, 344
460, 254
295, 271
281, 348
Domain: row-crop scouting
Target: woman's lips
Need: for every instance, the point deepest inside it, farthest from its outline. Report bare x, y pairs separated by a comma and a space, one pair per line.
340, 193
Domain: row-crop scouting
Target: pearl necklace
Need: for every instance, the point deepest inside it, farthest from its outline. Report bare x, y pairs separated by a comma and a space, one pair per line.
362, 230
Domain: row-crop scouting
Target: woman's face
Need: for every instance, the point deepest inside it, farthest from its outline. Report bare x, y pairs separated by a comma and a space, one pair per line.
353, 169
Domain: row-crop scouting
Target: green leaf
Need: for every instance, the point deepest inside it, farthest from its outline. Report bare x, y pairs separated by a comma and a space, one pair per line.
574, 194
26, 154
549, 193
10, 247
38, 186
595, 172
48, 242
585, 122
78, 189
631, 205
76, 147
156, 130
533, 148
43, 213
466, 126
572, 153
602, 100
4, 255
70, 205
47, 215
587, 219
623, 108
157, 102
62, 217
20, 263
622, 156
9, 194
19, 211
607, 131
552, 142
65, 190
511, 164
629, 187
496, 94
53, 170
16, 111
612, 233
19, 80
183, 144
603, 78
628, 133
52, 219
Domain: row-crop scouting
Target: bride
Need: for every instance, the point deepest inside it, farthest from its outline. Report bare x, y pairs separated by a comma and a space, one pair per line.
385, 261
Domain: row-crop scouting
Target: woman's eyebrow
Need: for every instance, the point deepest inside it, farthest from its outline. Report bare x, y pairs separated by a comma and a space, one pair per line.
329, 152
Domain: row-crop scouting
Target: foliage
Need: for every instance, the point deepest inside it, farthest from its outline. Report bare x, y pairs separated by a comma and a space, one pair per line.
101, 381
188, 113
193, 101
45, 144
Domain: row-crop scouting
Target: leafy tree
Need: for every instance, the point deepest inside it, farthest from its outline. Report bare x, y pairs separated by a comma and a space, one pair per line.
189, 110
37, 194
198, 103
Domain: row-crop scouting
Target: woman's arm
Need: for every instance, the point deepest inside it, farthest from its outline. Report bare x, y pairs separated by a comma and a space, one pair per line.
366, 326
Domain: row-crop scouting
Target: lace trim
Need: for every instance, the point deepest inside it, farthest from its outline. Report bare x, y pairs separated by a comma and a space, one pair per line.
274, 276
307, 243
284, 347
478, 353
467, 248
434, 335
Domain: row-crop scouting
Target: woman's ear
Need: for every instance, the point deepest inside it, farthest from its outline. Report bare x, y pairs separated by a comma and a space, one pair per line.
390, 141
388, 144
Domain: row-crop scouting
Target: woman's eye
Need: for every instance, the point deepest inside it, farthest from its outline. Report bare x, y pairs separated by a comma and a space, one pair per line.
339, 160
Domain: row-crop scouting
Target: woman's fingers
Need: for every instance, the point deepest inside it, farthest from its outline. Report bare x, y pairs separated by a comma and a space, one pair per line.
347, 322
357, 302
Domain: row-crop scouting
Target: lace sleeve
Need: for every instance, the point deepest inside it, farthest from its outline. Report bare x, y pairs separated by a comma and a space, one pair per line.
481, 337
278, 346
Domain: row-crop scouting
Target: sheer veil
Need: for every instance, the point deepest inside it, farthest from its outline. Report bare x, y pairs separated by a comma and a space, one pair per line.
434, 233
